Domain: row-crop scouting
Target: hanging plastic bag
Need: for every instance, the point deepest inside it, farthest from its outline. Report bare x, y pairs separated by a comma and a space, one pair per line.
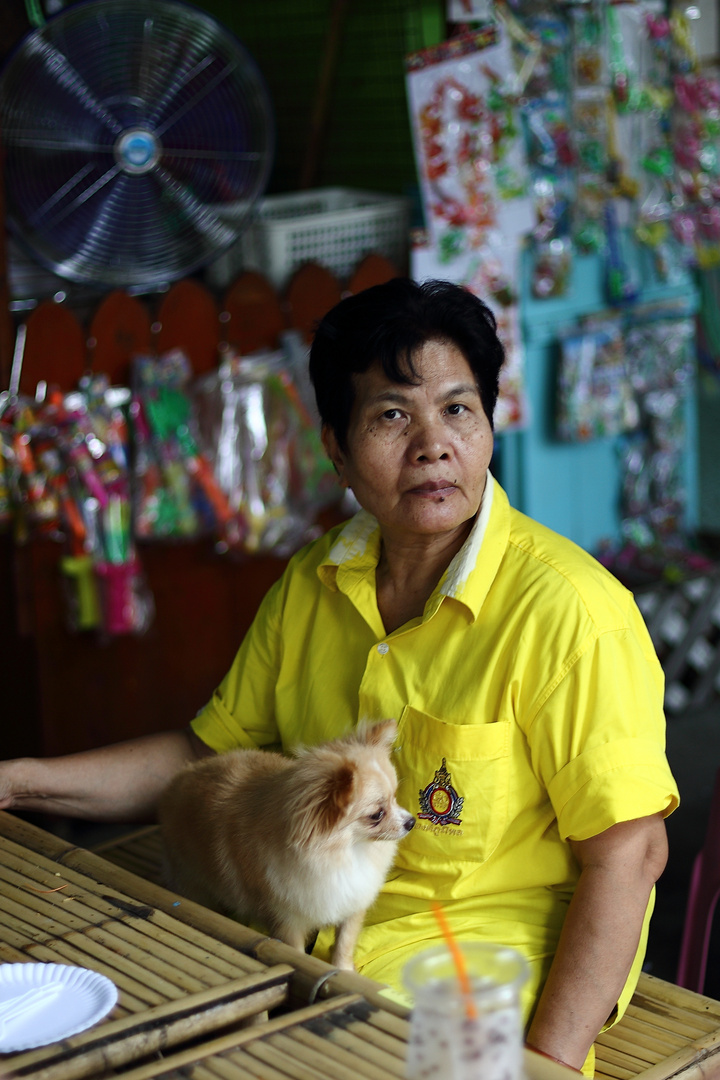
255, 426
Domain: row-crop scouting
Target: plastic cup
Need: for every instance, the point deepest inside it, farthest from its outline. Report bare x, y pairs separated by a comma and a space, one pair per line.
466, 1036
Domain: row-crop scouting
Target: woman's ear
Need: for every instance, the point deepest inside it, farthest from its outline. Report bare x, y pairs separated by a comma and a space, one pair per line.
333, 451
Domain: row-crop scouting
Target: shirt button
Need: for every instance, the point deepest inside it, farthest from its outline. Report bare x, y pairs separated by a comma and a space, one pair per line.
383, 648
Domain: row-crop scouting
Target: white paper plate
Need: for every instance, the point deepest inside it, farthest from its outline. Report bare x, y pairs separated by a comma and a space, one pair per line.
82, 998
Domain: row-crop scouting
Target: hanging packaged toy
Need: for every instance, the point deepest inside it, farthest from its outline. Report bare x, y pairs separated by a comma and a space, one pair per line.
660, 360
595, 397
468, 146
551, 156
176, 494
267, 457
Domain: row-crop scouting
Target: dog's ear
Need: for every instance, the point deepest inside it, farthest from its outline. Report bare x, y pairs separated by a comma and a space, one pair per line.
381, 734
322, 798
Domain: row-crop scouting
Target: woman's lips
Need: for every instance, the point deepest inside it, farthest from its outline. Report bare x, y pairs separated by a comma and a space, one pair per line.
434, 487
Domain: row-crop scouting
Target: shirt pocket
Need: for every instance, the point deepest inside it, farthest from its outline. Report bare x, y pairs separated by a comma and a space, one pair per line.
455, 778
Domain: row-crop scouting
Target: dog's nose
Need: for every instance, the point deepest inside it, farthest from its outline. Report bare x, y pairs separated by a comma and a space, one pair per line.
409, 824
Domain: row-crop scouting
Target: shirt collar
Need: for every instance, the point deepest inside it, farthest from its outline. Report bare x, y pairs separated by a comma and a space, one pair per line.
357, 548
454, 580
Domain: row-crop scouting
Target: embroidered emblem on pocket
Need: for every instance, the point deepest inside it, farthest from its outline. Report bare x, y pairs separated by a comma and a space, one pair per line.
439, 801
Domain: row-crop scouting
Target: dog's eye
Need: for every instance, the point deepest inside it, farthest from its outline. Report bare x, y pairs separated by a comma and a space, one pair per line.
377, 816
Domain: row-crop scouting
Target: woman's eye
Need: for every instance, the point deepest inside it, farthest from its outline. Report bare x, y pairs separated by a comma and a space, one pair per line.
391, 414
456, 409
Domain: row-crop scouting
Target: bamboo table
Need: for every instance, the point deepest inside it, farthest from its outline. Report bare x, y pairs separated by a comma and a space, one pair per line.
200, 996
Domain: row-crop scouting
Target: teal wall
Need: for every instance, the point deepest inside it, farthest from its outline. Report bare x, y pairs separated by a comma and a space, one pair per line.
575, 488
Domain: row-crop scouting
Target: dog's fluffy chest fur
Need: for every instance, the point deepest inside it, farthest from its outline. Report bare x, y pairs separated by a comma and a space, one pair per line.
329, 889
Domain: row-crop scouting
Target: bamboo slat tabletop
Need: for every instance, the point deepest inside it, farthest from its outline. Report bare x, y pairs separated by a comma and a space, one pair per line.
149, 909
184, 974
196, 988
53, 913
667, 1031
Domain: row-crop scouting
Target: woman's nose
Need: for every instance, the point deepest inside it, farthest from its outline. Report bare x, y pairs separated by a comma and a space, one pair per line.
430, 441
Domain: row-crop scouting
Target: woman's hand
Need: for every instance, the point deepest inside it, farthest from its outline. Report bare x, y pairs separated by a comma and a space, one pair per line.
10, 783
600, 936
122, 782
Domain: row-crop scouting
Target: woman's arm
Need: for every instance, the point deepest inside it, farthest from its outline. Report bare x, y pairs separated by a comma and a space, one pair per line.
121, 782
600, 936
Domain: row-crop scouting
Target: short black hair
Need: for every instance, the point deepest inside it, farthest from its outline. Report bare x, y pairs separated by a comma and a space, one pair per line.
387, 324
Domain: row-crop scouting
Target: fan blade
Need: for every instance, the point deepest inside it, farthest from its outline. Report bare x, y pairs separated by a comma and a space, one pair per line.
202, 217
40, 221
62, 71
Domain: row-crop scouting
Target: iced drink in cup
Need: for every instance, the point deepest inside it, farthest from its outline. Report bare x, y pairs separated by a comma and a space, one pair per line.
471, 1034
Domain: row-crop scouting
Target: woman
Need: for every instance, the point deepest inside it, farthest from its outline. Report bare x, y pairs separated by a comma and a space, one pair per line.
528, 695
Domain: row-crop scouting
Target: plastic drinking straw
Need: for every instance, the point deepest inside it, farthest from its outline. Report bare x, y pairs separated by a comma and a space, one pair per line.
458, 960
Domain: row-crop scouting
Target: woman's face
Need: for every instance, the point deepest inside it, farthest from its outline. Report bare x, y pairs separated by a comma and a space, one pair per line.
417, 456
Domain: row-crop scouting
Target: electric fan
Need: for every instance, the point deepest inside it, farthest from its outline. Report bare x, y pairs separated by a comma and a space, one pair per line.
137, 137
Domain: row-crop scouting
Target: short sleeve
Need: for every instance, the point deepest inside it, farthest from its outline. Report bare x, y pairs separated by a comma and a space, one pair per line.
598, 741
241, 711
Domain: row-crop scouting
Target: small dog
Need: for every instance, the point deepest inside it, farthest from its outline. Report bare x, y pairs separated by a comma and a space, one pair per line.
298, 843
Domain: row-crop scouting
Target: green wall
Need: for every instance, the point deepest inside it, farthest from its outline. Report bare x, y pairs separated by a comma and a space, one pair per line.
367, 141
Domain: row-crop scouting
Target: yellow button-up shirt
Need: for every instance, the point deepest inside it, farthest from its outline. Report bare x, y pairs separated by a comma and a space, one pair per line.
530, 708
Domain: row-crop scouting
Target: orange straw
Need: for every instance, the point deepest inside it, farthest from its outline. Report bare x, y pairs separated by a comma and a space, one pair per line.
458, 960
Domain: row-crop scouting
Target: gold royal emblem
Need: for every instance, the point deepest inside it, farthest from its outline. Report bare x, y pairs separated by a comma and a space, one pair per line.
439, 801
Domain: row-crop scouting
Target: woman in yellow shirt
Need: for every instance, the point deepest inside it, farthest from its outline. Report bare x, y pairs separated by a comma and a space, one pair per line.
528, 695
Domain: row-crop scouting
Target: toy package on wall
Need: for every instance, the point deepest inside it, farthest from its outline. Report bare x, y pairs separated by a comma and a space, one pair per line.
469, 149
595, 395
630, 376
660, 360
471, 162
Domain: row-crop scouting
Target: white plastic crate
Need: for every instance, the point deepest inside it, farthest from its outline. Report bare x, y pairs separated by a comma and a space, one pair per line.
335, 227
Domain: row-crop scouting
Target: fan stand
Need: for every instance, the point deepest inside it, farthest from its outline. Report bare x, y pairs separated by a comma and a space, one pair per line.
318, 124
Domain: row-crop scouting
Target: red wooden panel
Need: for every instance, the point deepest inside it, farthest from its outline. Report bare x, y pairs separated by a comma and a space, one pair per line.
93, 692
119, 331
54, 348
189, 319
372, 270
312, 291
252, 317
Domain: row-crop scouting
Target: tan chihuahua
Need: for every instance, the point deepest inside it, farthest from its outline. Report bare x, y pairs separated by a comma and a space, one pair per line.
297, 843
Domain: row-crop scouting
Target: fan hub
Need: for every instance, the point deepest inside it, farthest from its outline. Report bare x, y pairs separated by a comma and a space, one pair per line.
137, 150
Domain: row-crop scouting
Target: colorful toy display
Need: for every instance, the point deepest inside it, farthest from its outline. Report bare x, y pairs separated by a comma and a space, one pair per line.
104, 467
597, 112
68, 478
629, 375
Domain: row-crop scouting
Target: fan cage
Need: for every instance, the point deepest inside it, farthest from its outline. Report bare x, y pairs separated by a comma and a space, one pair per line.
137, 138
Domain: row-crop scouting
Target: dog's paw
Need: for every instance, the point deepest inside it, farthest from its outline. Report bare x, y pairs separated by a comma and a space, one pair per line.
343, 963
